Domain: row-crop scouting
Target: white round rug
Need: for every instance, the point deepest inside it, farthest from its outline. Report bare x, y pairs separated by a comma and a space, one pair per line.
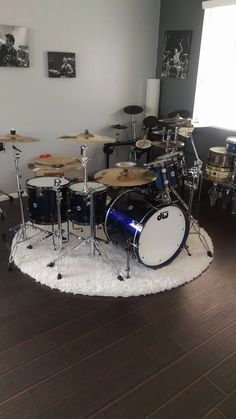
97, 275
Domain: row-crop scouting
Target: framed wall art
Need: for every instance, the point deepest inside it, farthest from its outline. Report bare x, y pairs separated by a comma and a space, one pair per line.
61, 64
14, 49
176, 52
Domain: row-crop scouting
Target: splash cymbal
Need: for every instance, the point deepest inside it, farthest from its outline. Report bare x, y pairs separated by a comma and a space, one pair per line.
125, 177
16, 138
87, 138
57, 163
168, 144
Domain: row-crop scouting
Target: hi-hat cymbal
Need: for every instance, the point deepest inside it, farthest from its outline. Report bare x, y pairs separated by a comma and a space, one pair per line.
125, 177
56, 163
168, 144
176, 121
16, 138
88, 138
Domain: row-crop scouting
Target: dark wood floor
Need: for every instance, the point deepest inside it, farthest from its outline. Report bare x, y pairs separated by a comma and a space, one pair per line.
170, 355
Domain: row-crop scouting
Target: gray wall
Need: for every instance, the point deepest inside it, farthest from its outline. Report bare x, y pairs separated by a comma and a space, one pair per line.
179, 94
179, 15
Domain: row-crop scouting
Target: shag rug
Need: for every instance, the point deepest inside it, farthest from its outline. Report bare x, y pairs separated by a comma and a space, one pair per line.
97, 275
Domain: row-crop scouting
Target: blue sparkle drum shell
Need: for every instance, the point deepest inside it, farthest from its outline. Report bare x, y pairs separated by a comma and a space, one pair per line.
42, 205
169, 170
79, 202
156, 233
231, 145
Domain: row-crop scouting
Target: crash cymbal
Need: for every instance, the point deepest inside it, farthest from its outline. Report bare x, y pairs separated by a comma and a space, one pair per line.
16, 138
176, 121
87, 138
168, 144
118, 126
58, 163
125, 177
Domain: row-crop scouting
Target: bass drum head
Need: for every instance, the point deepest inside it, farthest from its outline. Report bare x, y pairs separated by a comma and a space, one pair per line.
163, 236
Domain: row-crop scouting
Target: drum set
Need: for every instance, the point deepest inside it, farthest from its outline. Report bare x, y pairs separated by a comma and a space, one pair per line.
139, 207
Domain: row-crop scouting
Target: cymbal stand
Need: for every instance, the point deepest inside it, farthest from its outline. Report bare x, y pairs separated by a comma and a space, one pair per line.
193, 185
58, 233
21, 232
84, 160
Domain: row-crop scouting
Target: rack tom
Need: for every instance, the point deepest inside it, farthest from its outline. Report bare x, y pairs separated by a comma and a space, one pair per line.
42, 205
80, 203
231, 145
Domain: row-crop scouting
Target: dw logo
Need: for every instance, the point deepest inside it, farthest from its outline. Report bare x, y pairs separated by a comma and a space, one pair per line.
163, 215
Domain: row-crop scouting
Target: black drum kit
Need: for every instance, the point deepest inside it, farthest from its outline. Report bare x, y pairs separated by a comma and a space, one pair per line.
137, 206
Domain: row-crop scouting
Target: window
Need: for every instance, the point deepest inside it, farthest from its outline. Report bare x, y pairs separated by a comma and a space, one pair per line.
215, 98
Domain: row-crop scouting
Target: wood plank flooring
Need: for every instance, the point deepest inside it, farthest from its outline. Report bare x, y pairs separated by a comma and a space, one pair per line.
169, 355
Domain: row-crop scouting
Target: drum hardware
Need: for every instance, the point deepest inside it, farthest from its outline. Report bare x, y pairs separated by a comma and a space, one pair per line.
132, 156
126, 164
21, 229
118, 127
133, 110
176, 134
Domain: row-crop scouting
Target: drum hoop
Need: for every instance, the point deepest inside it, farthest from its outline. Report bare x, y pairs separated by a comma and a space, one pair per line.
49, 188
102, 188
187, 224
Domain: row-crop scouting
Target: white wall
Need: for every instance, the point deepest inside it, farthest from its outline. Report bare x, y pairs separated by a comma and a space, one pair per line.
115, 42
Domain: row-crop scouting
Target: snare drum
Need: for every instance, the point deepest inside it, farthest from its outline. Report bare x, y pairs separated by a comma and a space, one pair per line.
231, 145
80, 203
218, 156
42, 206
157, 234
169, 170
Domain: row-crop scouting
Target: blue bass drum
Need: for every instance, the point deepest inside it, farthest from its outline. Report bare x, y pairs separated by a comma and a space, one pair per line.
231, 145
157, 234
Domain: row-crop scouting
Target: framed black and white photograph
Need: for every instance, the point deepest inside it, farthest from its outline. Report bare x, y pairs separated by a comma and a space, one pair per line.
176, 52
61, 64
14, 48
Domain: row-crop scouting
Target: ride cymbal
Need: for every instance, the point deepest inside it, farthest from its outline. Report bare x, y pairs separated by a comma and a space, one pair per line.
168, 144
60, 163
125, 177
16, 138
